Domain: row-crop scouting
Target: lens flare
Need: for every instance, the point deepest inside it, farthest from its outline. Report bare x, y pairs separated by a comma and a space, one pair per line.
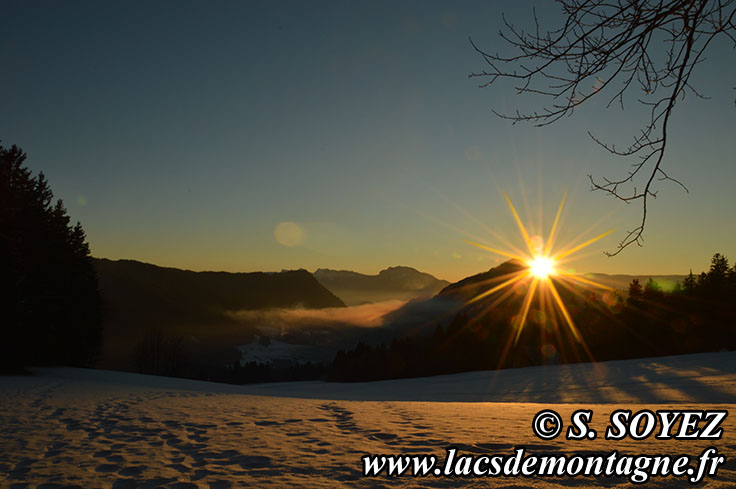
541, 275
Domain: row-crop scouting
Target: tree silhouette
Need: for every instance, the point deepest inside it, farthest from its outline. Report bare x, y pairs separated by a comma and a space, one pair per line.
635, 292
689, 283
718, 268
717, 280
49, 300
612, 48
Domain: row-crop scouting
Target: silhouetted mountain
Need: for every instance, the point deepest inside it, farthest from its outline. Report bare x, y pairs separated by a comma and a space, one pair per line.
403, 283
471, 286
144, 302
216, 290
424, 314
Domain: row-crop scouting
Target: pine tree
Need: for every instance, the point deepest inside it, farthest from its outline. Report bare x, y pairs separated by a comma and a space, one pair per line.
635, 292
49, 299
689, 283
719, 269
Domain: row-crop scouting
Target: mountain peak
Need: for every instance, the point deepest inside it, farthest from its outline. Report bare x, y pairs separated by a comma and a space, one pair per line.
468, 284
398, 282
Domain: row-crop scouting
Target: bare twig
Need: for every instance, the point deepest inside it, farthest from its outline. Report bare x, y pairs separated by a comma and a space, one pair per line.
613, 46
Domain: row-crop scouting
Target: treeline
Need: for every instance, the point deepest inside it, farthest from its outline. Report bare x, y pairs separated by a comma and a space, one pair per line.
697, 316
252, 372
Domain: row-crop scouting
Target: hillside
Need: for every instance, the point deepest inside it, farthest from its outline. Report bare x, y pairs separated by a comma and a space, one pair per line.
216, 290
471, 286
192, 309
402, 283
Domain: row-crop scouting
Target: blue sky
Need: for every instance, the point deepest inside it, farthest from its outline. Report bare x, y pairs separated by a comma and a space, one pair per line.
184, 133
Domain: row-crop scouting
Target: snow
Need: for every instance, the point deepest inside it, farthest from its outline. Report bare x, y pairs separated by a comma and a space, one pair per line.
91, 428
686, 378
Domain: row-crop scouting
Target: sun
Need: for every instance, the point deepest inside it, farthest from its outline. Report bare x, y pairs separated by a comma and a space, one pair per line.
542, 267
542, 274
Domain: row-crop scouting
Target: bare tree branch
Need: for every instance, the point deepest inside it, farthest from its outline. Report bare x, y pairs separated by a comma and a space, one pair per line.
615, 46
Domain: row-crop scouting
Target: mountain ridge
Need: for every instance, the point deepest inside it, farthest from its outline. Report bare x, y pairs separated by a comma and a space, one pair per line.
230, 290
392, 283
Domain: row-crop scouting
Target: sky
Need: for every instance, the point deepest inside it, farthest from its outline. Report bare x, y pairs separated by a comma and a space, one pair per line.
246, 136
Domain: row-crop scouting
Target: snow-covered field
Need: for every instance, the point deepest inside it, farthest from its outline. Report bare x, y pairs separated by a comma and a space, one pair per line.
91, 428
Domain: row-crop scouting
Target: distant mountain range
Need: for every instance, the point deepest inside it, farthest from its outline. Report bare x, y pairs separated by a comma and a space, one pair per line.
199, 313
402, 283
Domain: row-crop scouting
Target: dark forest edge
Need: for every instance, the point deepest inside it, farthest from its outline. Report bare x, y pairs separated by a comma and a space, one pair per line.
49, 295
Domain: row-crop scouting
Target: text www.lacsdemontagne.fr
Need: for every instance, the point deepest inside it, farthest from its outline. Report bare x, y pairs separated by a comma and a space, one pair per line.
637, 468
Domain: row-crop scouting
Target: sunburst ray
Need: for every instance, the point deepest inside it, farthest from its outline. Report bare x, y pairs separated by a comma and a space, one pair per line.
524, 233
540, 272
565, 253
521, 275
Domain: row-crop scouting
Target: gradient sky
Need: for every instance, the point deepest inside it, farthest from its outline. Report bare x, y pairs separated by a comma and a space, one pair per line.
184, 133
